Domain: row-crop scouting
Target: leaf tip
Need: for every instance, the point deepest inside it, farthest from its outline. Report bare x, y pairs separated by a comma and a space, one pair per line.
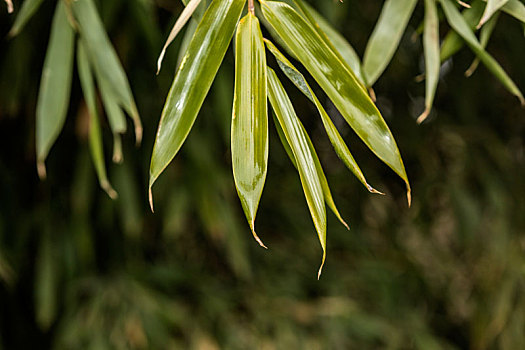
321, 267
257, 237
10, 8
423, 115
159, 61
409, 194
41, 169
372, 94
117, 150
106, 186
373, 190
150, 197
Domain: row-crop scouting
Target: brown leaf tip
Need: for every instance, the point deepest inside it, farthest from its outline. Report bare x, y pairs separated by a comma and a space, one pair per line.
150, 197
41, 170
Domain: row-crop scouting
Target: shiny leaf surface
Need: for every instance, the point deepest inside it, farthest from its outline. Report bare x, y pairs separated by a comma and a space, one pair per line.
249, 127
340, 84
293, 132
193, 80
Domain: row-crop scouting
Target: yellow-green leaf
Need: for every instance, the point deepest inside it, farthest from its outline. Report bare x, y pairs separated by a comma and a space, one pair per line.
27, 10
108, 70
516, 9
335, 138
293, 132
193, 80
386, 36
95, 135
55, 86
339, 83
249, 128
492, 7
458, 23
484, 37
432, 61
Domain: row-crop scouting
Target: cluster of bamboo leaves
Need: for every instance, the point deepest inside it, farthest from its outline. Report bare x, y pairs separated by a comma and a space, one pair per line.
304, 35
77, 27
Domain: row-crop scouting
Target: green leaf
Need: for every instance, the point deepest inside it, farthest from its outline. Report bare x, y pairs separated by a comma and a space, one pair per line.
457, 23
386, 37
486, 32
432, 61
27, 10
249, 128
284, 111
108, 70
453, 41
334, 39
55, 86
340, 84
192, 81
335, 138
492, 7
516, 9
329, 200
95, 135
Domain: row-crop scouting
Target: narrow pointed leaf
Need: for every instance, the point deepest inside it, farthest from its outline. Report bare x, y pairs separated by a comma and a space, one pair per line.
329, 200
27, 10
179, 24
453, 42
432, 61
335, 138
333, 38
55, 86
193, 80
457, 22
108, 70
249, 128
95, 135
492, 7
484, 37
340, 84
284, 111
386, 36
10, 7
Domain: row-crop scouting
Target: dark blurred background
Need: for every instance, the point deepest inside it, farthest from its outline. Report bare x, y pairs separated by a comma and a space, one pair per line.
81, 271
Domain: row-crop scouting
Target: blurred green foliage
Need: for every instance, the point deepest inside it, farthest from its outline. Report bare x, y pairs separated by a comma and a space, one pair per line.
80, 271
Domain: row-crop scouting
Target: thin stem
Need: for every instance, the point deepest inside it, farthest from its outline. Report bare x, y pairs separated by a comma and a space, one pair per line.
251, 7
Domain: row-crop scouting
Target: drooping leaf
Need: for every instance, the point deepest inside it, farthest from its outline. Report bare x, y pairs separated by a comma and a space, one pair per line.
193, 80
55, 86
492, 7
340, 84
484, 37
453, 42
107, 68
249, 127
333, 38
328, 198
432, 61
191, 6
95, 135
335, 138
458, 23
27, 10
284, 111
386, 37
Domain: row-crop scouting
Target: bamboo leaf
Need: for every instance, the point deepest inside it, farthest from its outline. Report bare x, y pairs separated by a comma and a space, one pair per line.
55, 86
340, 84
492, 7
27, 10
95, 135
432, 61
108, 70
249, 128
283, 109
333, 38
516, 9
457, 22
179, 24
10, 7
484, 37
386, 36
453, 41
335, 138
192, 81
329, 200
